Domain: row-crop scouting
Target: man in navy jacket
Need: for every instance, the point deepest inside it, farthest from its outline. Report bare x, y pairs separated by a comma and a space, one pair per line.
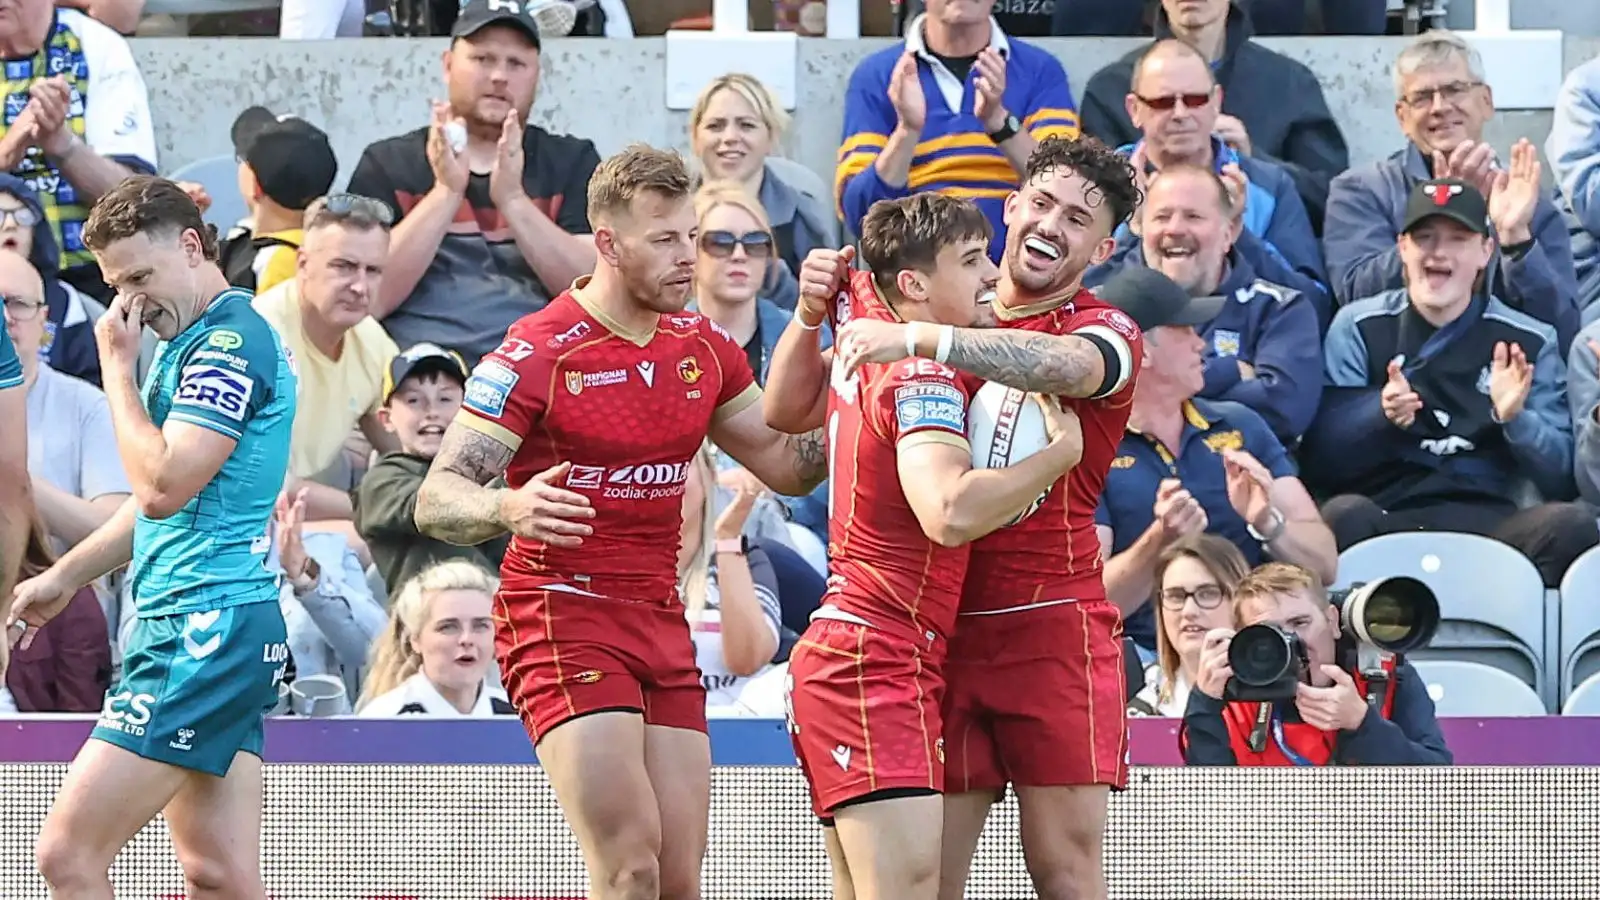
1442, 107
1442, 402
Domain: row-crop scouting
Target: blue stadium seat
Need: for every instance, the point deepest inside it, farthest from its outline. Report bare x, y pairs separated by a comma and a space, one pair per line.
1491, 598
1580, 622
1462, 688
220, 177
1584, 700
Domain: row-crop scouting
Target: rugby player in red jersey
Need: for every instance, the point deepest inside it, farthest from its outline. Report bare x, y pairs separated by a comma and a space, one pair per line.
904, 502
1036, 693
593, 409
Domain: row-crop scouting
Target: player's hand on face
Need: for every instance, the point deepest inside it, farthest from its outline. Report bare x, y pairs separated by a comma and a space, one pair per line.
1177, 512
1338, 707
1400, 403
823, 274
863, 341
505, 179
289, 515
542, 512
34, 603
449, 166
1062, 426
119, 331
1213, 671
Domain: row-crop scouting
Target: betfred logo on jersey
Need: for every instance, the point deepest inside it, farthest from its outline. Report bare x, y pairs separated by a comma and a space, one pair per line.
514, 349
650, 481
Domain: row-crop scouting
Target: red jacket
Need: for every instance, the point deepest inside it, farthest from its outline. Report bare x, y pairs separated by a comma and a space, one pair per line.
1287, 740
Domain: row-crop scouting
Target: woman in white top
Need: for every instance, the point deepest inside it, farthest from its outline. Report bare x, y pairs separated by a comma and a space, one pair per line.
1194, 579
435, 656
729, 591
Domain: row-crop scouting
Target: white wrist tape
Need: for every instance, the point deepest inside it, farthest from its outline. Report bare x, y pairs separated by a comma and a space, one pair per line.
947, 336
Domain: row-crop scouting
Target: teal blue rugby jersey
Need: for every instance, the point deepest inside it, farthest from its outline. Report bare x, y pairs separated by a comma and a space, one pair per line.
229, 372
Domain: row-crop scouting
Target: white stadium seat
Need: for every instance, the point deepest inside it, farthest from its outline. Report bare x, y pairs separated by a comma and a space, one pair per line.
1580, 622
1462, 688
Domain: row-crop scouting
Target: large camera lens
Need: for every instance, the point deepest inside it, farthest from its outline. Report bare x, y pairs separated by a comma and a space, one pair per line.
1261, 655
1395, 614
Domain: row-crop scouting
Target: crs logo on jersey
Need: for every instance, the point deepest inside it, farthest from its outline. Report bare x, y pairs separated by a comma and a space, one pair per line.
649, 481
575, 333
127, 712
215, 389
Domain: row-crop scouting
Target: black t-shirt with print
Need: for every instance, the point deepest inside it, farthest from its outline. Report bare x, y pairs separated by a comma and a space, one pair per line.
479, 282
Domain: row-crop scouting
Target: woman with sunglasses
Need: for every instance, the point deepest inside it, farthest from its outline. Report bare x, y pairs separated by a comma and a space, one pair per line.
1194, 578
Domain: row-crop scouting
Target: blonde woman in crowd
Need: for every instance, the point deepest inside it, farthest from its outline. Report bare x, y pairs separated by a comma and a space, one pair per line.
730, 595
436, 655
734, 127
1194, 578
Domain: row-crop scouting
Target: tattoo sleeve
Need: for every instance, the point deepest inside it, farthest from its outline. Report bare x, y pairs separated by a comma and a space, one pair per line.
1029, 361
455, 503
810, 458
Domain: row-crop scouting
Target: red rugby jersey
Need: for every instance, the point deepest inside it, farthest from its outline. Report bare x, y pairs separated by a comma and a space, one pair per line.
882, 567
1055, 553
629, 411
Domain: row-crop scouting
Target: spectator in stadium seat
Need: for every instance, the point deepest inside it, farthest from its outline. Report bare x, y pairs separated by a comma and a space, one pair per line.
1443, 401
68, 344
486, 234
329, 612
67, 667
1194, 578
1257, 346
324, 315
84, 121
1175, 102
735, 125
1583, 391
284, 164
909, 125
422, 389
436, 654
1189, 465
77, 483
1339, 17
729, 591
1330, 721
1272, 106
1574, 153
1443, 104
734, 262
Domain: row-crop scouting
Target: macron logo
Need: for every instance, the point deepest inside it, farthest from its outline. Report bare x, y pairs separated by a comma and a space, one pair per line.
841, 755
647, 371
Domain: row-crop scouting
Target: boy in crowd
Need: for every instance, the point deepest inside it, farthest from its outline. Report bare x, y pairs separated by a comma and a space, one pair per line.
284, 164
422, 390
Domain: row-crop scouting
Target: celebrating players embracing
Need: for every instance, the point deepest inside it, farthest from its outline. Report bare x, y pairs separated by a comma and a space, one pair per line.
865, 679
1025, 706
594, 408
205, 450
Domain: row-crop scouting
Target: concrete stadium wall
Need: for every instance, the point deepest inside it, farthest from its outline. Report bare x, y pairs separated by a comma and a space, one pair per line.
614, 91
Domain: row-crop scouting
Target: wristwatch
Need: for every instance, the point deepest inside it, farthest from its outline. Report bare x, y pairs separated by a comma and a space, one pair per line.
736, 546
1007, 131
1274, 531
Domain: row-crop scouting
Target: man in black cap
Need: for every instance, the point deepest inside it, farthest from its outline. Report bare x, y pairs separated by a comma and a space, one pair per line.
492, 213
284, 164
1188, 465
1444, 404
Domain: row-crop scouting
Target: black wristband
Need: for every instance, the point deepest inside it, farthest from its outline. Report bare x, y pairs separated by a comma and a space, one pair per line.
1112, 364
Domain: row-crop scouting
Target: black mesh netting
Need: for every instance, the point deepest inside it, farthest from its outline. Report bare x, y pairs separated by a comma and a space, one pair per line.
490, 832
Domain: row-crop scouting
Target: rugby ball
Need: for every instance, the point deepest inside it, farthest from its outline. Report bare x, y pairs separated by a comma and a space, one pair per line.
1006, 426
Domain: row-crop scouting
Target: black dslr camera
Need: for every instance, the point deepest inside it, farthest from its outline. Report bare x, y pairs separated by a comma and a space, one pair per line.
1390, 616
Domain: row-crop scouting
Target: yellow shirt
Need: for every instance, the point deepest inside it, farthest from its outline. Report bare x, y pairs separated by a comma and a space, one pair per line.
334, 393
276, 263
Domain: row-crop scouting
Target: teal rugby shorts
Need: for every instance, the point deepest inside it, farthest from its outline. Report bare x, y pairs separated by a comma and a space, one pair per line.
196, 687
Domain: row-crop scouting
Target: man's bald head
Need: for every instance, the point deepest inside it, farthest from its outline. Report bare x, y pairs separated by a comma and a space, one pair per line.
1166, 52
18, 278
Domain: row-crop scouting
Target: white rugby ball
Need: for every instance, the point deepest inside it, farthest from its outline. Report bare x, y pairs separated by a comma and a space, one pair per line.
1006, 426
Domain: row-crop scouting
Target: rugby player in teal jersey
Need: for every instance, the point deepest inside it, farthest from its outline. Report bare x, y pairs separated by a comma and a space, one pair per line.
205, 446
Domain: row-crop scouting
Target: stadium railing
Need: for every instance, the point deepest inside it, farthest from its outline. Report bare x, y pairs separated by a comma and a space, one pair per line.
452, 810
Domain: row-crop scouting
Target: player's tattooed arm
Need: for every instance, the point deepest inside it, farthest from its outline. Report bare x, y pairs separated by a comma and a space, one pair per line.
810, 458
1065, 365
455, 503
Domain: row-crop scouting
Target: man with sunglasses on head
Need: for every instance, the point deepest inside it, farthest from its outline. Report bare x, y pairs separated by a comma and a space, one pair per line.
325, 317
1175, 102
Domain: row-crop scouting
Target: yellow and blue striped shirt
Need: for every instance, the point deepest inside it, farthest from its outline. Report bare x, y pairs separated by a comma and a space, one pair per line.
954, 155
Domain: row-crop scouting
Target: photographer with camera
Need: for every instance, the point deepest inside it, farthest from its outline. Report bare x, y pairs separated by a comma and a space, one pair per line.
1314, 680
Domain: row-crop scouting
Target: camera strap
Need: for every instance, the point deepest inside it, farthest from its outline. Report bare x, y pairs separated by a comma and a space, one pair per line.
1283, 746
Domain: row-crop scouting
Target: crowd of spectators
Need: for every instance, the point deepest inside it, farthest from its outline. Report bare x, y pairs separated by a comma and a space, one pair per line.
1406, 344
